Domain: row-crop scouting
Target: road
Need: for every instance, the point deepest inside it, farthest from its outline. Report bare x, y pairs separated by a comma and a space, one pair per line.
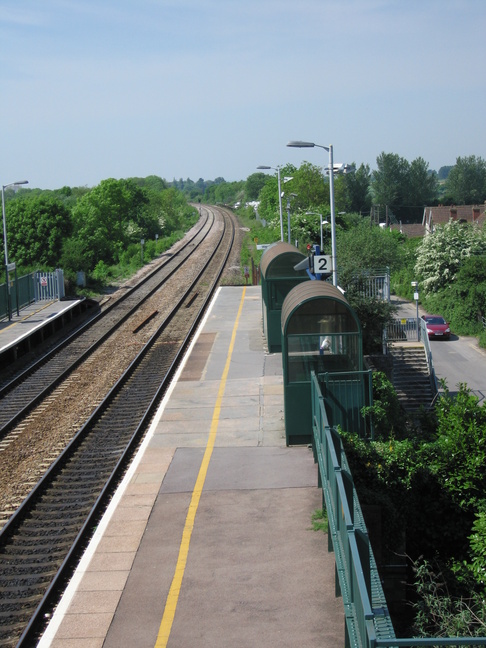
456, 361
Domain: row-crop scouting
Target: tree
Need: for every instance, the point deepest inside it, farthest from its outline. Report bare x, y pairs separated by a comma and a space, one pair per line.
37, 227
254, 184
422, 185
441, 254
102, 220
443, 172
405, 188
352, 191
311, 193
364, 247
466, 298
311, 187
268, 208
389, 180
466, 184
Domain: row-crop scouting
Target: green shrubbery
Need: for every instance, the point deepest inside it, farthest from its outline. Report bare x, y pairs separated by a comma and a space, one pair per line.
97, 231
430, 484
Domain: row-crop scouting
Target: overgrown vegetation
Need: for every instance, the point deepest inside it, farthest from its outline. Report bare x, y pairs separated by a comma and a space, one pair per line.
319, 520
430, 484
108, 232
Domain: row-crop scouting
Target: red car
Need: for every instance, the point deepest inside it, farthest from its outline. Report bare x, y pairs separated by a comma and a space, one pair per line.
437, 327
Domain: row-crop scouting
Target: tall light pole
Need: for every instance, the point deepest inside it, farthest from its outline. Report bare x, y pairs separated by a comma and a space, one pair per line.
289, 196
323, 222
299, 144
5, 249
277, 169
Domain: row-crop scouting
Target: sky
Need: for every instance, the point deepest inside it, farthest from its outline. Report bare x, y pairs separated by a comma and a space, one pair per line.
97, 89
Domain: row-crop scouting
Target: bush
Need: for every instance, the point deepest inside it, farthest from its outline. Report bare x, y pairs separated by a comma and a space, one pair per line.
438, 613
387, 413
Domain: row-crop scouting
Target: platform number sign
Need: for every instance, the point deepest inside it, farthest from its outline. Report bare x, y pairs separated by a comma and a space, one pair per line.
322, 264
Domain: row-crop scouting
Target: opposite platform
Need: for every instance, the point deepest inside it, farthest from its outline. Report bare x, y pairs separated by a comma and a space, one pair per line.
37, 320
208, 542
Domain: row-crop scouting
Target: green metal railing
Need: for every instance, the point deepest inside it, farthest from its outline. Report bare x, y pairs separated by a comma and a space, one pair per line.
22, 293
367, 620
346, 393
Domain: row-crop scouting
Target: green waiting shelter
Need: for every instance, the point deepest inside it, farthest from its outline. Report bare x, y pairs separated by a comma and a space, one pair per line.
278, 277
320, 333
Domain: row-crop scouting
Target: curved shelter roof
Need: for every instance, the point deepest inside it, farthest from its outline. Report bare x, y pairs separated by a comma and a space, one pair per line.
279, 260
335, 305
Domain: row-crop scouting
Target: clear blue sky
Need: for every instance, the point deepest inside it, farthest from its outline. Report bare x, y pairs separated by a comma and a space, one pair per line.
204, 88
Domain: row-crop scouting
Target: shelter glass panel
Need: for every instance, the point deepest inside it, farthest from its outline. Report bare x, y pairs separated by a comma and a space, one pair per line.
336, 352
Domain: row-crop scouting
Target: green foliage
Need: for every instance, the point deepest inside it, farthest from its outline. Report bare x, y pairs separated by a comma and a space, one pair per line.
477, 564
404, 187
254, 184
441, 255
443, 172
431, 491
364, 247
386, 411
224, 193
403, 274
36, 228
320, 521
352, 191
482, 339
102, 219
373, 314
380, 477
97, 230
441, 614
466, 183
389, 180
463, 302
459, 454
312, 194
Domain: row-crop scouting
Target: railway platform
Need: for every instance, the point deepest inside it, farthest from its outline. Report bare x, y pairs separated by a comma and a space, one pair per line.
34, 323
208, 542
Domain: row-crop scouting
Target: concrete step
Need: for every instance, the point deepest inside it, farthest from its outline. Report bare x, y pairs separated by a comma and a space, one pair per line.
411, 377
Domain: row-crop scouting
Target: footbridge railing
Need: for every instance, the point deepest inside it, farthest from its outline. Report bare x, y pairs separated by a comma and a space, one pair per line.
367, 620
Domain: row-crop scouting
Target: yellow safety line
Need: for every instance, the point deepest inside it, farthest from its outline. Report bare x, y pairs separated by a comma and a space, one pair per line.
23, 319
175, 588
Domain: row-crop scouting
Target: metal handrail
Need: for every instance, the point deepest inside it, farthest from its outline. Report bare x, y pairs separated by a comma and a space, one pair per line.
424, 338
367, 620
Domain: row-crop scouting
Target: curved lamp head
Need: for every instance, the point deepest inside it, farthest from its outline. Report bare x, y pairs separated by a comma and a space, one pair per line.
300, 144
14, 184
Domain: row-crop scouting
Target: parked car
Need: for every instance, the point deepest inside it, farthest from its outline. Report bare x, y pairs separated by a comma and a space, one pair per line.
437, 327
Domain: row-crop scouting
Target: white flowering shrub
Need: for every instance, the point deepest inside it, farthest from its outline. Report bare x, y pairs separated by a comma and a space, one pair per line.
441, 254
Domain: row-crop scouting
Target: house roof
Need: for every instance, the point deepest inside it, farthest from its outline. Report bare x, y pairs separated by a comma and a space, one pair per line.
443, 214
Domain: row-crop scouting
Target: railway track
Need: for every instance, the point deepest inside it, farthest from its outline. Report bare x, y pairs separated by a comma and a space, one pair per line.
43, 540
19, 394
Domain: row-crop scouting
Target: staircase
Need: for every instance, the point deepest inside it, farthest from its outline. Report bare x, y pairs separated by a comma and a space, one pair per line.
411, 378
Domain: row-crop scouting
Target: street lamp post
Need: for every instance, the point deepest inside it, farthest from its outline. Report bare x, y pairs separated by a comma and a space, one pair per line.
5, 248
323, 222
416, 297
277, 169
289, 196
299, 144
